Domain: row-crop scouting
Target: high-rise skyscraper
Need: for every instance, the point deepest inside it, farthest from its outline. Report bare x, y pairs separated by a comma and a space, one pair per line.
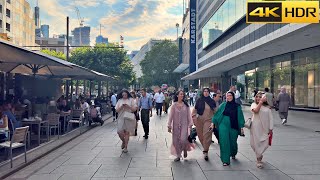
38, 32
45, 30
101, 40
37, 16
81, 36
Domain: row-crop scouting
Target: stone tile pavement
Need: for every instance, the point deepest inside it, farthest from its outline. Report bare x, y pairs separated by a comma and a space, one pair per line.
97, 155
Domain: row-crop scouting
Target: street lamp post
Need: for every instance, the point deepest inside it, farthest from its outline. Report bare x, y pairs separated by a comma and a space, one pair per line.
177, 26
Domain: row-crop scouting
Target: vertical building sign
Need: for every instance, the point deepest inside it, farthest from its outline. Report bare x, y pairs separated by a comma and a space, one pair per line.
193, 35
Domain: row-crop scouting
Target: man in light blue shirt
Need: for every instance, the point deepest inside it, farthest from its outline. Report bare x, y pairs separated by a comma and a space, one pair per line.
145, 104
113, 105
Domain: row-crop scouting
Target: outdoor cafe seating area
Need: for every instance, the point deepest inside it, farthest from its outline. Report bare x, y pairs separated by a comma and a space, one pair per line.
39, 113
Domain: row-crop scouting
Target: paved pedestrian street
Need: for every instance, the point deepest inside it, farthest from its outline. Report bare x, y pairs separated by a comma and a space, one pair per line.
97, 155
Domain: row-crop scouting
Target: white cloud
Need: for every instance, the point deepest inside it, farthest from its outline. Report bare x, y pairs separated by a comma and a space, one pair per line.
144, 26
138, 22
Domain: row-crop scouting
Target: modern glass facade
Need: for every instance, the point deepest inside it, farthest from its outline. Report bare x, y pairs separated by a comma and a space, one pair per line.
298, 71
228, 14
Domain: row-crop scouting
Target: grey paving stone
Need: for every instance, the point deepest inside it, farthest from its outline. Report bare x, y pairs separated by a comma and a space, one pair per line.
305, 177
263, 174
53, 165
149, 172
165, 162
227, 175
187, 170
126, 178
76, 169
143, 162
45, 176
106, 171
78, 176
156, 178
79, 160
111, 161
110, 152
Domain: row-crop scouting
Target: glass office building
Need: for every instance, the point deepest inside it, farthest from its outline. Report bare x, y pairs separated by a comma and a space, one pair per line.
255, 56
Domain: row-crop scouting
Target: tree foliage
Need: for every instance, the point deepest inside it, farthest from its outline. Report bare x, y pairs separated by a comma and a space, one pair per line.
159, 64
110, 61
53, 53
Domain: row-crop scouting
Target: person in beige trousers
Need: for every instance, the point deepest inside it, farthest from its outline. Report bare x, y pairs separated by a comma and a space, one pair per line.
202, 115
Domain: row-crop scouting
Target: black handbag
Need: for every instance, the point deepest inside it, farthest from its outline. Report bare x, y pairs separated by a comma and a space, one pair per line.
193, 135
136, 113
216, 132
276, 106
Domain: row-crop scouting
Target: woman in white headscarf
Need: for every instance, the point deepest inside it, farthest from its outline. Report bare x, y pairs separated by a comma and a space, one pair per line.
261, 127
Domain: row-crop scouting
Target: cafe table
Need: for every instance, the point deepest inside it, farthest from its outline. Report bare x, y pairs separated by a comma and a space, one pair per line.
38, 122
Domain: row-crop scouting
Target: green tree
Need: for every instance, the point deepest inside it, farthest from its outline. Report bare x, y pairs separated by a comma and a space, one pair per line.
107, 60
159, 64
56, 54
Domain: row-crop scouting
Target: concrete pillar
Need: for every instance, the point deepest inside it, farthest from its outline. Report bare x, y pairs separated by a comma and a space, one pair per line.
99, 88
226, 82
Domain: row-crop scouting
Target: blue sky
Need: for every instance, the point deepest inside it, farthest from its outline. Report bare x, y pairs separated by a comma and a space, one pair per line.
136, 20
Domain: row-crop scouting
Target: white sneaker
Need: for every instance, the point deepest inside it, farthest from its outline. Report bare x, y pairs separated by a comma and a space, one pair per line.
125, 150
284, 121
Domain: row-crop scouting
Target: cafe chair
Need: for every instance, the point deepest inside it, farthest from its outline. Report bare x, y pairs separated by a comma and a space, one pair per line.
53, 120
19, 139
76, 118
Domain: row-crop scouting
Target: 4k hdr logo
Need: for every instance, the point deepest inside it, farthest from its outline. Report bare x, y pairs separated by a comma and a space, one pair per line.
283, 12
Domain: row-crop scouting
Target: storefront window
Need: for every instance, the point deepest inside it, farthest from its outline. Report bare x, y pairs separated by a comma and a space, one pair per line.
306, 70
282, 73
250, 77
263, 74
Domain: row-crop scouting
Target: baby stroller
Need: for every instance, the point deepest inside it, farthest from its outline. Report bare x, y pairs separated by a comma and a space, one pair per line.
95, 115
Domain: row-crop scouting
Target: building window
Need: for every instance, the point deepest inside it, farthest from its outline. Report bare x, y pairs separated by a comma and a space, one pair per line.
8, 12
0, 8
228, 14
0, 23
9, 1
8, 27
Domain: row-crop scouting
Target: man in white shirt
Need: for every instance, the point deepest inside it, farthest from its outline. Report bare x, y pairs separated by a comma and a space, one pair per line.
113, 105
159, 98
191, 95
236, 94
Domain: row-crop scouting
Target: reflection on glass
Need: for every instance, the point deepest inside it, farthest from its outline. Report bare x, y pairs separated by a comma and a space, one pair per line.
229, 12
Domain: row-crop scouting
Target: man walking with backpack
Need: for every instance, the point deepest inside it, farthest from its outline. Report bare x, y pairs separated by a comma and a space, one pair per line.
145, 104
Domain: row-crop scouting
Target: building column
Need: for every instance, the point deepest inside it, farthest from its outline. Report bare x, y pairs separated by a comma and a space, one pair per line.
67, 89
90, 89
71, 84
226, 81
77, 87
292, 81
99, 89
84, 88
272, 77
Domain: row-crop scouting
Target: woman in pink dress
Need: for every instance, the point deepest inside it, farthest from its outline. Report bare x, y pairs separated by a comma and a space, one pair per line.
179, 125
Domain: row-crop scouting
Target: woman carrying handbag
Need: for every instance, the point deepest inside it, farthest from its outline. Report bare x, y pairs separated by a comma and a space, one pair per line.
126, 119
179, 124
261, 127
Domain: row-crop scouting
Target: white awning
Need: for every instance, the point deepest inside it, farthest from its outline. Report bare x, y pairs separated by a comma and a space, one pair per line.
182, 67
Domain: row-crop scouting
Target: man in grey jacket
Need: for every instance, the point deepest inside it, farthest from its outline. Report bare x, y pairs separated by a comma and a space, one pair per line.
284, 101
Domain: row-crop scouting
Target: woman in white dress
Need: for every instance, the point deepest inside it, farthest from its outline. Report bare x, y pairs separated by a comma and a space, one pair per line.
261, 127
125, 127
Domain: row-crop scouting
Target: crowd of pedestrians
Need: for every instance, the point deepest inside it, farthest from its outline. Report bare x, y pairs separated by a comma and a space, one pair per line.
214, 113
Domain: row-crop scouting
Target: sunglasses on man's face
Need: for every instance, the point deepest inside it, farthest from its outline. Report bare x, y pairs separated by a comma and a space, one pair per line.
258, 96
205, 91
